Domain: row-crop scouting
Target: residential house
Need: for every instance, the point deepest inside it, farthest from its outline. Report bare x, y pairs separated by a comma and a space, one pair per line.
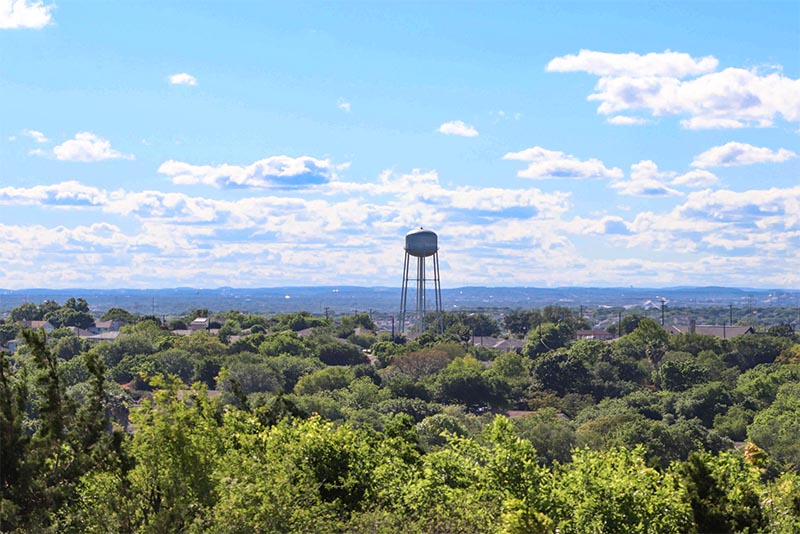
111, 325
598, 335
201, 323
719, 331
505, 345
47, 325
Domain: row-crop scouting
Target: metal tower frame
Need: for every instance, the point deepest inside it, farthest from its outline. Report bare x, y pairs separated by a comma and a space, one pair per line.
420, 279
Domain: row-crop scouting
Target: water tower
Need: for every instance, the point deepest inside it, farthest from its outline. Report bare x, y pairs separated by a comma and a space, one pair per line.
420, 244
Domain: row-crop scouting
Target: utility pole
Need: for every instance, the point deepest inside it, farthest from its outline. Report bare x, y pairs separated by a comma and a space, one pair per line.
392, 327
730, 314
662, 311
326, 312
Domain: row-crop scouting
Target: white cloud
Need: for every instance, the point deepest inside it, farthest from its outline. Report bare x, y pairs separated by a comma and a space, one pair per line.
86, 146
758, 228
606, 225
343, 105
424, 189
290, 237
545, 163
732, 98
272, 172
667, 63
64, 194
458, 128
654, 83
711, 123
37, 136
503, 115
24, 14
734, 153
182, 78
646, 181
696, 178
622, 120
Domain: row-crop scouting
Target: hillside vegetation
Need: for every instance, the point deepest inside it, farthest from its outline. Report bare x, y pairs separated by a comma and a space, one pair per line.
296, 423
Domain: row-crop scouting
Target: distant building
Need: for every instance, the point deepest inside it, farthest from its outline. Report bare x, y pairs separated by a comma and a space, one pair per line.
103, 336
505, 345
47, 325
201, 323
598, 335
111, 325
719, 331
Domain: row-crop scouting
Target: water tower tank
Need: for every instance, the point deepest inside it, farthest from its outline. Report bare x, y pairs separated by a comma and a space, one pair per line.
422, 243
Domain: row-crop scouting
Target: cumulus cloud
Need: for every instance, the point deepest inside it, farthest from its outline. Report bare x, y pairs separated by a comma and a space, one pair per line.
64, 194
344, 105
667, 63
182, 78
646, 181
37, 136
734, 153
732, 98
606, 225
543, 163
16, 14
86, 146
282, 172
711, 123
290, 237
654, 83
758, 227
423, 190
696, 178
458, 128
623, 120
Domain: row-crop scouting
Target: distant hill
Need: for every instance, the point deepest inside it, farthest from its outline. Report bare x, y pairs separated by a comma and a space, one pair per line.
346, 299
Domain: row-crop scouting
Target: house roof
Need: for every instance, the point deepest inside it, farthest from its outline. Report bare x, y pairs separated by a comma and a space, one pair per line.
593, 333
720, 331
105, 336
38, 324
80, 332
497, 343
509, 344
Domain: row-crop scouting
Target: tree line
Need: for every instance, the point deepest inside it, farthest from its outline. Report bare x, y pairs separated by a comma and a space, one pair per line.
262, 426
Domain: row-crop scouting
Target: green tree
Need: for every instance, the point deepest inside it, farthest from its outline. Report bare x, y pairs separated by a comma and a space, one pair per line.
464, 381
327, 379
119, 314
626, 326
520, 322
615, 492
546, 337
724, 493
337, 353
284, 343
26, 312
777, 429
749, 351
176, 447
559, 371
551, 435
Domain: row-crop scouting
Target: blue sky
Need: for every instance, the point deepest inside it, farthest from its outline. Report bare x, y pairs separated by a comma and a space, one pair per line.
250, 144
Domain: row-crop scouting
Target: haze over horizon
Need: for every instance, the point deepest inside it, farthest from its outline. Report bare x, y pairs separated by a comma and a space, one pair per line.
254, 145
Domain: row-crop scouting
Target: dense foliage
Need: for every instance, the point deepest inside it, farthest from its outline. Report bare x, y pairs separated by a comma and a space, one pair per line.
289, 424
